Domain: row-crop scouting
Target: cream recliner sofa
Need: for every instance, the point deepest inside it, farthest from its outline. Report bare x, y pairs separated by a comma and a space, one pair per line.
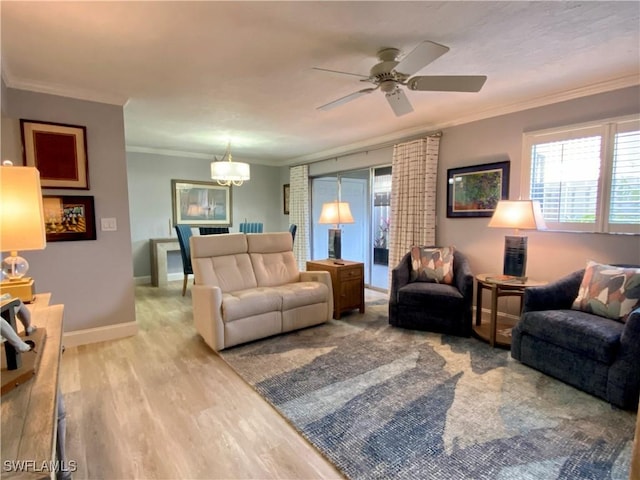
248, 286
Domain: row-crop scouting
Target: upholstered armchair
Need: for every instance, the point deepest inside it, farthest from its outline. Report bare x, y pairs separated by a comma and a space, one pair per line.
587, 350
436, 307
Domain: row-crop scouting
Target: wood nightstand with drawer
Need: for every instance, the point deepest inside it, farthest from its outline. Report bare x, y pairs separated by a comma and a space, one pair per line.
347, 279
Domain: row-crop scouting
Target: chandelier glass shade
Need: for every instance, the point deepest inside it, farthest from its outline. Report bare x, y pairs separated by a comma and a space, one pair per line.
227, 172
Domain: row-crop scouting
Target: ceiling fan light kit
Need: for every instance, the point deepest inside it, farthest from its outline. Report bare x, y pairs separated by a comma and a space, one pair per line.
390, 74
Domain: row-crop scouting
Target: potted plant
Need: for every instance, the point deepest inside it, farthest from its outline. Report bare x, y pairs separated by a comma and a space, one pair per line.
380, 242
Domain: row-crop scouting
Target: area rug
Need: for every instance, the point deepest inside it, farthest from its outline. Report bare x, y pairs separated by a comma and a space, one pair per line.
382, 402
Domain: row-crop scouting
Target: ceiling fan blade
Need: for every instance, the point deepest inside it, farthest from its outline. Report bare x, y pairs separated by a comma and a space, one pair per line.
348, 98
399, 102
342, 73
447, 83
419, 57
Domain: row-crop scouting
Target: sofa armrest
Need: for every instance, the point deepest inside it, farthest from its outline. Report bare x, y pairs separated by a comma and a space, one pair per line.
557, 295
322, 277
630, 338
207, 314
463, 277
400, 277
623, 385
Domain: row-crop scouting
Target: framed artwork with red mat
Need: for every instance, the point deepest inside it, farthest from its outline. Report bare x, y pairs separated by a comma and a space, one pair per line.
58, 151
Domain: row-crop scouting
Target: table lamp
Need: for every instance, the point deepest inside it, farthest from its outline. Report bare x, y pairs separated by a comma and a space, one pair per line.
519, 215
335, 213
21, 226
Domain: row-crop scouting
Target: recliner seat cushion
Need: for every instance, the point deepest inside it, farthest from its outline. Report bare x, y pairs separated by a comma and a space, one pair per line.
295, 295
590, 335
247, 303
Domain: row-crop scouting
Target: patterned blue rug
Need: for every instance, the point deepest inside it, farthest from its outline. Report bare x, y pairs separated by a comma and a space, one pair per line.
381, 402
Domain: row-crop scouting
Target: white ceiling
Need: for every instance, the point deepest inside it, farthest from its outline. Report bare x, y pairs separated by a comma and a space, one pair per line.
193, 74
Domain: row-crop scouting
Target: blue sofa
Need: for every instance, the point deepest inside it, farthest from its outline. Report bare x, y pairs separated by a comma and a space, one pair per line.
593, 353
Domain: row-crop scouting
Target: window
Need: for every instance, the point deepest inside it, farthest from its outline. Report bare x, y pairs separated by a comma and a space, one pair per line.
586, 177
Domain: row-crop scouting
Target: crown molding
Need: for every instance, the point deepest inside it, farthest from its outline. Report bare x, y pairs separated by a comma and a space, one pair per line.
62, 91
198, 155
596, 88
168, 152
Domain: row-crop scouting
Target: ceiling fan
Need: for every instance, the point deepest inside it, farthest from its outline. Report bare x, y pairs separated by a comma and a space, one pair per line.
390, 74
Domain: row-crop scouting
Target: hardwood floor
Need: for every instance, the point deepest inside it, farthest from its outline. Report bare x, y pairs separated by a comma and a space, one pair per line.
162, 405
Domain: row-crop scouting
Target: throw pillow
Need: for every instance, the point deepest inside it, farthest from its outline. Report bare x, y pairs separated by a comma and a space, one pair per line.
432, 264
608, 291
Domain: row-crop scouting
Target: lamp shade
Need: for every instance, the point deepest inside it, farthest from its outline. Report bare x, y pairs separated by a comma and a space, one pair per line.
336, 213
21, 215
230, 171
518, 214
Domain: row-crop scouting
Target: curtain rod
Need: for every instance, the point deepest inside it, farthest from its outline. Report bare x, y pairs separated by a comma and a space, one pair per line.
374, 147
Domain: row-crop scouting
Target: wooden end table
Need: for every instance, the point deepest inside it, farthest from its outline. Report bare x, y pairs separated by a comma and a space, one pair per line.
499, 287
347, 280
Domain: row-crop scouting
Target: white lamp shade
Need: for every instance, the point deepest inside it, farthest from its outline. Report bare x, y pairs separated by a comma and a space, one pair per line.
230, 171
336, 213
21, 215
518, 214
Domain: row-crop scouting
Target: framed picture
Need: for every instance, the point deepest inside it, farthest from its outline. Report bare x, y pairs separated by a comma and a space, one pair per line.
69, 217
58, 151
285, 196
201, 204
475, 191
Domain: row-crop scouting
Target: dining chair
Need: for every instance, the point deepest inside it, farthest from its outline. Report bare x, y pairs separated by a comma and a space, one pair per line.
184, 233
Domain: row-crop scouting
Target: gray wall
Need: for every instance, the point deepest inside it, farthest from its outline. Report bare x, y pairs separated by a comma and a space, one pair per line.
93, 279
150, 175
551, 254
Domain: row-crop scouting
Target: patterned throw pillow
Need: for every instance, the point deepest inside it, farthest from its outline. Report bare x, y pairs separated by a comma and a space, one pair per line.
432, 264
609, 291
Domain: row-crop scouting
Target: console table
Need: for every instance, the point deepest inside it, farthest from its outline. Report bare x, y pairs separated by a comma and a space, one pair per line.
159, 248
347, 279
30, 411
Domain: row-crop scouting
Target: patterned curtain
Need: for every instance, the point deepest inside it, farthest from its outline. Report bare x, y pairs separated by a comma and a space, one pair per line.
299, 212
413, 196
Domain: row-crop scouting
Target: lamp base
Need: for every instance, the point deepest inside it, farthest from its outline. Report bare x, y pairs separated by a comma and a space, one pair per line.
23, 288
335, 243
515, 256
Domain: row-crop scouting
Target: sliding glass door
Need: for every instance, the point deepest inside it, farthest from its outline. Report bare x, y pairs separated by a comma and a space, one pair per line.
365, 240
381, 216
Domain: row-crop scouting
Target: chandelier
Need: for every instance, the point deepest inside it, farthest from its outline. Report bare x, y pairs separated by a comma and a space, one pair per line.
227, 172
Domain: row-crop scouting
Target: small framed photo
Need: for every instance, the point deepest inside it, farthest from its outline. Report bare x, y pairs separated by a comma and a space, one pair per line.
58, 151
285, 198
475, 191
69, 218
201, 204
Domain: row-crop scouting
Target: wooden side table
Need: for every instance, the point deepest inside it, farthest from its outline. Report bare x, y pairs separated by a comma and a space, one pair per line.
347, 279
499, 288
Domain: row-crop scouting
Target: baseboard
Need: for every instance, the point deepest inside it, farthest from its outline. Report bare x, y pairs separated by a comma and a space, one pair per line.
146, 279
99, 334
